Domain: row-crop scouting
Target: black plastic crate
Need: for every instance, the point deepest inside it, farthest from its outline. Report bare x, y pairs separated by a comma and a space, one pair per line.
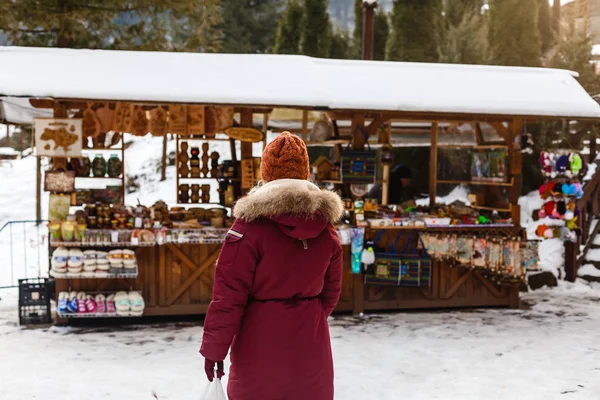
34, 301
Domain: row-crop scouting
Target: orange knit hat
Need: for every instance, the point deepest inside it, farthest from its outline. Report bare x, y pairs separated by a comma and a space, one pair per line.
285, 158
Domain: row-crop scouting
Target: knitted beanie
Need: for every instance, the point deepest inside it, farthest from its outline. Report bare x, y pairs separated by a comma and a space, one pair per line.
285, 158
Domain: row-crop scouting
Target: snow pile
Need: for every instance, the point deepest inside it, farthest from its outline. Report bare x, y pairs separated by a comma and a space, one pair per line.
8, 151
458, 355
588, 270
593, 255
459, 193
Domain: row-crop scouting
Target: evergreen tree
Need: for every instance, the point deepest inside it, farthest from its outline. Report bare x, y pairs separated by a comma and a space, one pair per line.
289, 31
340, 45
513, 33
380, 35
113, 24
316, 29
415, 30
545, 25
466, 41
249, 26
455, 10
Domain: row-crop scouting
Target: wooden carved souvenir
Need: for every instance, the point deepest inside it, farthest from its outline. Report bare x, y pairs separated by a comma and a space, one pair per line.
183, 159
211, 121
247, 174
516, 254
91, 125
178, 118
139, 125
225, 117
105, 115
206, 193
195, 193
195, 125
257, 176
214, 164
123, 117
205, 160
158, 121
195, 163
249, 135
495, 256
184, 193
59, 181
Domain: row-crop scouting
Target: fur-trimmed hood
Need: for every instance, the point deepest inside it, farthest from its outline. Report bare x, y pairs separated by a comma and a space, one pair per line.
289, 197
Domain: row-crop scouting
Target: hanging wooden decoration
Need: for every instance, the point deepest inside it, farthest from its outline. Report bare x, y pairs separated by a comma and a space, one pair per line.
244, 134
158, 121
91, 125
195, 120
123, 117
211, 125
139, 125
105, 115
225, 117
247, 174
359, 166
178, 116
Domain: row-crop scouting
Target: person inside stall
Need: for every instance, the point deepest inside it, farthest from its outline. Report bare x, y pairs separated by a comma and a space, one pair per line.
400, 190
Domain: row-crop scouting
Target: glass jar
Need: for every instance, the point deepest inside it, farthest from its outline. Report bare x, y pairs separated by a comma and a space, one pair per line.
99, 166
114, 166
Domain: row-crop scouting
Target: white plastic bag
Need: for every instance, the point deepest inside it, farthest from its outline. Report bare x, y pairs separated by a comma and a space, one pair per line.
214, 391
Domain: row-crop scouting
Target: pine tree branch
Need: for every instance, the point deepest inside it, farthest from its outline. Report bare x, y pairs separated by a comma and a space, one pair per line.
102, 8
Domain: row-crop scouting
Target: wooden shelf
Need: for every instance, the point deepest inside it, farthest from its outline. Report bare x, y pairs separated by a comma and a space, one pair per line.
480, 183
509, 209
468, 146
107, 149
202, 204
181, 178
190, 139
99, 177
425, 228
329, 181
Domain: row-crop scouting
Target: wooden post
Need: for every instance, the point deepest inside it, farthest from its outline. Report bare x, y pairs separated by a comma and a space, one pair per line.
571, 264
368, 29
265, 129
305, 125
433, 156
385, 186
515, 160
246, 121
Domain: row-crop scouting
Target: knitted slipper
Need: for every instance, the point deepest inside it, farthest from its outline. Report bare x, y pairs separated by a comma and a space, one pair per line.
100, 304
61, 307
72, 305
110, 304
90, 304
81, 309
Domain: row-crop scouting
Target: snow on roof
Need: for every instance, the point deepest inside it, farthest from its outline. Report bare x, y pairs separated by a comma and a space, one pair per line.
294, 81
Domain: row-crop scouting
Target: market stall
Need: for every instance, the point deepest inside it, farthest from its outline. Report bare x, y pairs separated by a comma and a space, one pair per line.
115, 259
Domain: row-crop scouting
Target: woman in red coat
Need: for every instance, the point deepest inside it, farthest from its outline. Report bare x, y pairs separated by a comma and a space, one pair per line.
278, 278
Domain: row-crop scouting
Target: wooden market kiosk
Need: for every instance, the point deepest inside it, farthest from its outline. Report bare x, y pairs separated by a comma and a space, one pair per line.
176, 278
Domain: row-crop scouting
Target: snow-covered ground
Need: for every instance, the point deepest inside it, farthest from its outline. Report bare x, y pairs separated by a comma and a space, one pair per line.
550, 351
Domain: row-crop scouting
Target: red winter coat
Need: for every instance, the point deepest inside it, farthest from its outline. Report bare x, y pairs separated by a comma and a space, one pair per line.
277, 280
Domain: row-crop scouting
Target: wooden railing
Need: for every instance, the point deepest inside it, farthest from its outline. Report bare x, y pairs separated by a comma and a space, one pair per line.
589, 205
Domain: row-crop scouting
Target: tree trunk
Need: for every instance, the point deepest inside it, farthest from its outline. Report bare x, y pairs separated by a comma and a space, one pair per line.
556, 17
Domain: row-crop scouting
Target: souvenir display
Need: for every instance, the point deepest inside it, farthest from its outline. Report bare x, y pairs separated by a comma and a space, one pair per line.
195, 197
91, 125
139, 123
508, 259
489, 166
122, 304
205, 158
183, 159
195, 163
358, 166
214, 164
59, 181
358, 235
158, 121
206, 193
81, 166
178, 119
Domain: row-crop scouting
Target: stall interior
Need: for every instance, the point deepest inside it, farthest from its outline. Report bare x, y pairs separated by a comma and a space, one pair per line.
111, 259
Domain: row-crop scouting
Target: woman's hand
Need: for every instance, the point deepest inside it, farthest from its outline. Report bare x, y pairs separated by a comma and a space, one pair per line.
209, 368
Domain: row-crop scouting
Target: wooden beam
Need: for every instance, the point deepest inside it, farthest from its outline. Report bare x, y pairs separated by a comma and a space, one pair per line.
358, 140
246, 121
457, 285
502, 131
515, 168
433, 160
478, 134
265, 129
